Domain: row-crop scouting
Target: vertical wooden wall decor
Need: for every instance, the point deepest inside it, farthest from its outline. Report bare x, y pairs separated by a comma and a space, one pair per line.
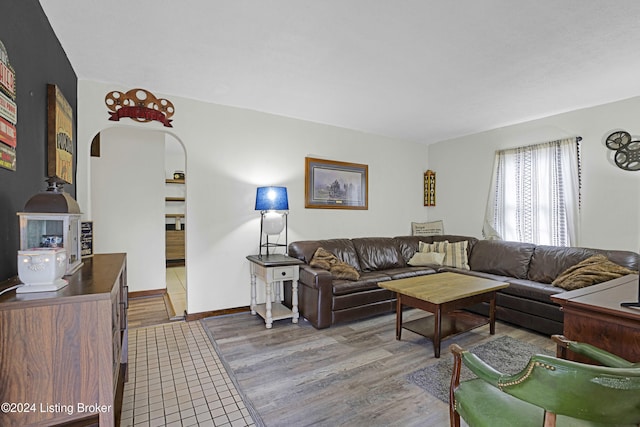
8, 112
429, 188
59, 135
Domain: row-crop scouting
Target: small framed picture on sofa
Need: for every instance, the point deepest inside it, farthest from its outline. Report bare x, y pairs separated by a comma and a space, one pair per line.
331, 184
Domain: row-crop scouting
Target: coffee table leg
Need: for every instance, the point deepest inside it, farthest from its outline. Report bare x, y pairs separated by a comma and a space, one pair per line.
399, 317
492, 315
436, 332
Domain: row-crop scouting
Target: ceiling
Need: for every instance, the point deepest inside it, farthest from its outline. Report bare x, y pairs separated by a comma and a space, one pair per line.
419, 70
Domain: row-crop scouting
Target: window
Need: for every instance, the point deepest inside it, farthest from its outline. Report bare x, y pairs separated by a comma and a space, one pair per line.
535, 194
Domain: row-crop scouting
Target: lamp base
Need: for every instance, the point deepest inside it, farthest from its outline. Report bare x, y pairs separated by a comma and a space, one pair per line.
50, 287
266, 231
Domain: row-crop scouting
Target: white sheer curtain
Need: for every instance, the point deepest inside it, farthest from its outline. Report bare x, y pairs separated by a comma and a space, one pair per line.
535, 194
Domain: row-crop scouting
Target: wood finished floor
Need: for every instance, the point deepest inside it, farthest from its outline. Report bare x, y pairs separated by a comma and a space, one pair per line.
147, 311
367, 344
352, 374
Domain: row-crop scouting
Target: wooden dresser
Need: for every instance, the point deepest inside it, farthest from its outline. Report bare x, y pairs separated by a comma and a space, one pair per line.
63, 355
594, 315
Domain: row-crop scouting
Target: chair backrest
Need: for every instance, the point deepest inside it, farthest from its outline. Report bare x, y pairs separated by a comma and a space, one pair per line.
587, 392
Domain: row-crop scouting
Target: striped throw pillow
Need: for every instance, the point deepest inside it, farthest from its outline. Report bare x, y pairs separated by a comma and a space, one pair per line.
456, 255
433, 247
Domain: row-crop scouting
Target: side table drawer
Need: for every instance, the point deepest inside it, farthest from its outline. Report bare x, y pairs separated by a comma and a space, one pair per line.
284, 273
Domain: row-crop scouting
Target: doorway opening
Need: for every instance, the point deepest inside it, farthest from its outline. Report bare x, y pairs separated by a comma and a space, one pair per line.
175, 224
138, 206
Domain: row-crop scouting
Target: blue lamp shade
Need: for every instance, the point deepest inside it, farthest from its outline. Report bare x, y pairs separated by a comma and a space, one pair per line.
272, 199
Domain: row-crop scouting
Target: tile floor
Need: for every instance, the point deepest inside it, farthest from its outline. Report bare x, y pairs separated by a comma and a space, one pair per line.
177, 290
177, 379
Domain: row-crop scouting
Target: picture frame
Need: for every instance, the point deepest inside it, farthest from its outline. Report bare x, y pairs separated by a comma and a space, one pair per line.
60, 145
331, 184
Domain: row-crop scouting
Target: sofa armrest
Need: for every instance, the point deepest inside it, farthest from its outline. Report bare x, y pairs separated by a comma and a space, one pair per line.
315, 294
315, 278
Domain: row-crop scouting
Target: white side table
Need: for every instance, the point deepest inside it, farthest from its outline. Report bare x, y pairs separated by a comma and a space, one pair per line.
274, 269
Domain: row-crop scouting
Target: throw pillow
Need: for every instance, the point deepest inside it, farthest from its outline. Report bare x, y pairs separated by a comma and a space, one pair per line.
325, 260
433, 228
426, 258
456, 255
591, 271
433, 247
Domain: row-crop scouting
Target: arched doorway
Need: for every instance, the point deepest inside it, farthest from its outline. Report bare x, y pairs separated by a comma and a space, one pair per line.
133, 209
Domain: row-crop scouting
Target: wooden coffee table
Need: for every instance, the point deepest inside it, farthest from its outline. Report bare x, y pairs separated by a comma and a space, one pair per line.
444, 294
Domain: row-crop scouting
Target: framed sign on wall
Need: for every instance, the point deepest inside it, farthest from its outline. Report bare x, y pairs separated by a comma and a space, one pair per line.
59, 135
429, 188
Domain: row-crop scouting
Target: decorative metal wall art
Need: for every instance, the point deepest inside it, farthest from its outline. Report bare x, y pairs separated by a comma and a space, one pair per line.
429, 188
627, 150
139, 105
8, 112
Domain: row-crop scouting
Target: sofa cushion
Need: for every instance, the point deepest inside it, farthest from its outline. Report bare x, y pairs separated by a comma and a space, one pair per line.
548, 262
489, 276
378, 253
531, 290
403, 273
367, 281
502, 258
595, 269
426, 258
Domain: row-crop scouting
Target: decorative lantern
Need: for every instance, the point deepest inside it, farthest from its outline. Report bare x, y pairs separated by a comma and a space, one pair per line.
51, 219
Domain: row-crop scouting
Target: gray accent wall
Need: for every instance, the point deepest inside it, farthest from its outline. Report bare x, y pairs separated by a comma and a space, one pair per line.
37, 59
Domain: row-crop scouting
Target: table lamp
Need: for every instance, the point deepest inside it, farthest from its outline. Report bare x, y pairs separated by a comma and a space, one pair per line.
273, 204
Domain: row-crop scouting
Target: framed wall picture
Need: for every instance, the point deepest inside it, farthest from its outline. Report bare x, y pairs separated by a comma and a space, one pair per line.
59, 135
331, 184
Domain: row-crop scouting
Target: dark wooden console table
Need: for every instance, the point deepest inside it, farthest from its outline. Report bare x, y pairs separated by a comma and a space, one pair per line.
594, 315
63, 355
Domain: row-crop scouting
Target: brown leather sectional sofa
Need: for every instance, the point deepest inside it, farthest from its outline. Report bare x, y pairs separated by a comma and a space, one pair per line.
528, 268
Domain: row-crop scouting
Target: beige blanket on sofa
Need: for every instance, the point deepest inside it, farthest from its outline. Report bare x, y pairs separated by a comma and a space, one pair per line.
593, 270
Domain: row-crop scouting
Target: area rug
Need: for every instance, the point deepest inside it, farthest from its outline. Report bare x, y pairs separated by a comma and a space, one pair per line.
505, 354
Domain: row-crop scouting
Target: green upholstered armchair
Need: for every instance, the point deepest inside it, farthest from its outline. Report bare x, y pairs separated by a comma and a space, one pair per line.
549, 391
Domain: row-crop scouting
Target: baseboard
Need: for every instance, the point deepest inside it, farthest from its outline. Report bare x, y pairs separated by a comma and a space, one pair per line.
149, 293
202, 315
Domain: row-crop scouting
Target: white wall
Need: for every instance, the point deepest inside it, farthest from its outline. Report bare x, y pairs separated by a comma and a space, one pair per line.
127, 181
230, 152
610, 216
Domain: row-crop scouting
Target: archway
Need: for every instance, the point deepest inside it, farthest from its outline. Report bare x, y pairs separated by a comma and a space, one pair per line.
132, 209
